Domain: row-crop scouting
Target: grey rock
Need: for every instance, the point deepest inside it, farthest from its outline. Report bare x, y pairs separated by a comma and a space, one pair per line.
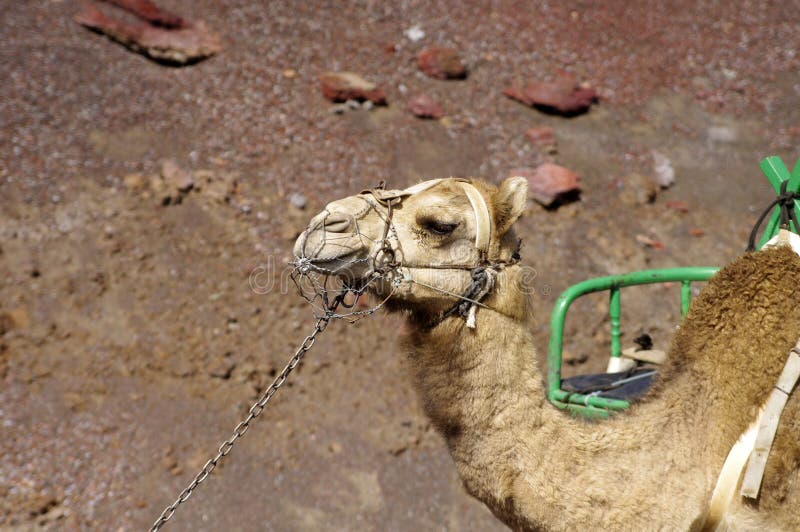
664, 171
298, 200
722, 134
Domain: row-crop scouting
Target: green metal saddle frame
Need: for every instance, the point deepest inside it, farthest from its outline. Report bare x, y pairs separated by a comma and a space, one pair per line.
600, 407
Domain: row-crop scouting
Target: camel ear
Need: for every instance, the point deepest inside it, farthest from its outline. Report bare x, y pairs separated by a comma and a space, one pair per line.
510, 203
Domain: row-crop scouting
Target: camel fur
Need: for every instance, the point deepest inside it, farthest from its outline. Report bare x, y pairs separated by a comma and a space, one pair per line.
653, 467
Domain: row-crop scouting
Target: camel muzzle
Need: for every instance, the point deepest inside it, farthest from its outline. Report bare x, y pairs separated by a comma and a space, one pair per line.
332, 243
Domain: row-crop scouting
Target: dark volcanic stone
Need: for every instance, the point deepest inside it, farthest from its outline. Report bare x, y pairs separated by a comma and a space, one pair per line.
423, 106
343, 86
163, 37
562, 96
442, 63
550, 184
542, 137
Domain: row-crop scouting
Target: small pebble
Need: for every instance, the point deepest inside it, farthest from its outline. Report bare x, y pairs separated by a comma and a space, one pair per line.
442, 63
638, 189
662, 166
679, 206
298, 200
650, 242
343, 86
722, 134
564, 95
423, 106
542, 137
414, 33
176, 177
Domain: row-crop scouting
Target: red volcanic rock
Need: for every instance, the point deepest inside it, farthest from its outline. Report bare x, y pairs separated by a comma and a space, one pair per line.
176, 177
423, 106
550, 184
517, 93
343, 86
675, 205
162, 36
442, 63
147, 10
563, 96
542, 137
650, 242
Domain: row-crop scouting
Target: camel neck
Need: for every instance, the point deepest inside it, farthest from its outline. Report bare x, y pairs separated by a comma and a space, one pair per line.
483, 391
529, 462
458, 369
471, 380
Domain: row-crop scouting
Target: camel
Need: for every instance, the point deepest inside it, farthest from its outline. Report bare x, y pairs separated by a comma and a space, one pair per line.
652, 467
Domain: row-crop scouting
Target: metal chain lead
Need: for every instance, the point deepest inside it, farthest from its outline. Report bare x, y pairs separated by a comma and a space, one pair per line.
242, 427
384, 263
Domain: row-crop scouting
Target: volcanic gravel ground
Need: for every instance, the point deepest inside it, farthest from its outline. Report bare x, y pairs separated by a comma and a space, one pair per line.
131, 342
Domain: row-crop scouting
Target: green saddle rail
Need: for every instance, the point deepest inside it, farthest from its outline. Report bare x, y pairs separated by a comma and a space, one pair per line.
593, 405
777, 173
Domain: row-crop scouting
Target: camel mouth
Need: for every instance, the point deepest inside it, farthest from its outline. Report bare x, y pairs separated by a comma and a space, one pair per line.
319, 246
334, 254
338, 265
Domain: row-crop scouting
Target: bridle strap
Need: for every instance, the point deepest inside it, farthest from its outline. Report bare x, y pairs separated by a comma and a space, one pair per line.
482, 274
383, 196
483, 220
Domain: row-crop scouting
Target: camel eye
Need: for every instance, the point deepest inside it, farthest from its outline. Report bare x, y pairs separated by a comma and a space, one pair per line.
439, 228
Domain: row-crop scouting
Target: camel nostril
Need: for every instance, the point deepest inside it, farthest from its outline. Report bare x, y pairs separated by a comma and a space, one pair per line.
331, 235
337, 222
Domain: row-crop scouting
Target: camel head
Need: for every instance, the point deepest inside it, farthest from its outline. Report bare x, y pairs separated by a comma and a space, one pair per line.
417, 244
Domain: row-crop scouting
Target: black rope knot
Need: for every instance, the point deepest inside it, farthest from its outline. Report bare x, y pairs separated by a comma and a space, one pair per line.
480, 277
785, 201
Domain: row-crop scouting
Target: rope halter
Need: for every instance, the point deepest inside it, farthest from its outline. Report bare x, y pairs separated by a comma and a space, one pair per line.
785, 202
483, 273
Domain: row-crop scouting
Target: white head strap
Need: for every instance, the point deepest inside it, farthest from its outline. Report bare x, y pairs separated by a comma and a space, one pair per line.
483, 221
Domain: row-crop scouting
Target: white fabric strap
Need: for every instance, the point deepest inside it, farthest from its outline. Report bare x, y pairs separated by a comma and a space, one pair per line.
420, 187
483, 233
729, 475
783, 238
754, 444
768, 426
483, 222
487, 288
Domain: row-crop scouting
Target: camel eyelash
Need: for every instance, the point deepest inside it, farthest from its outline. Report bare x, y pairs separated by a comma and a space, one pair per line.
439, 228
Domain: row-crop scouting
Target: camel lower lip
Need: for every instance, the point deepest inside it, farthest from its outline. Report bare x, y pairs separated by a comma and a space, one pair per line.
328, 264
337, 258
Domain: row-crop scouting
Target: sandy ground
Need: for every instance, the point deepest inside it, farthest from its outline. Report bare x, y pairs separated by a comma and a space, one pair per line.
131, 340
